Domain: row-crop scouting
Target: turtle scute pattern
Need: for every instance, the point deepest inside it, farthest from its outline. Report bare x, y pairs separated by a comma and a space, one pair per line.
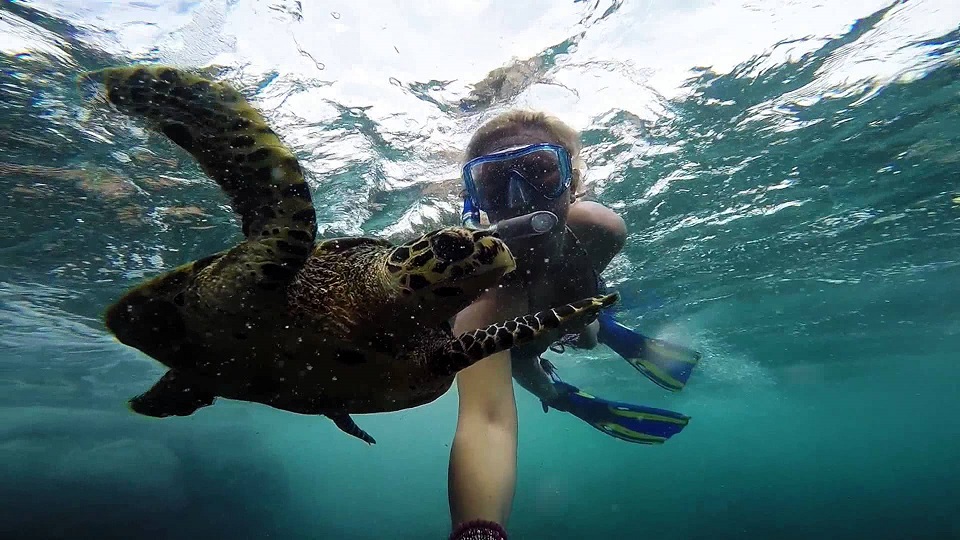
444, 256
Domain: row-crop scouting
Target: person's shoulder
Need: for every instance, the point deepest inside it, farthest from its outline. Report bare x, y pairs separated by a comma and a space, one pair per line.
594, 222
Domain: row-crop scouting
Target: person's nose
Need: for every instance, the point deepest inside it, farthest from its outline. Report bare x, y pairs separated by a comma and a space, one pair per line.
519, 193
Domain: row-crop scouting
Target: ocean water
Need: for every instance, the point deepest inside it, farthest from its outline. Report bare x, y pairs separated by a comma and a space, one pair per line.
789, 172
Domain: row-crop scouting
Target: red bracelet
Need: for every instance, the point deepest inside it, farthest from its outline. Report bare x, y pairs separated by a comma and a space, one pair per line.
478, 530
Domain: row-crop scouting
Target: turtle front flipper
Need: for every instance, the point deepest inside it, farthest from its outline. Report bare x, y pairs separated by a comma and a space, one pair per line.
233, 145
470, 347
348, 426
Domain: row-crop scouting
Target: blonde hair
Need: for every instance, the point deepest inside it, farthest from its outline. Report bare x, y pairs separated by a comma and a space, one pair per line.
563, 134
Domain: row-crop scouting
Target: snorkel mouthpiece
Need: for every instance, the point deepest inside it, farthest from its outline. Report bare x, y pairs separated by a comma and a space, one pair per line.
543, 221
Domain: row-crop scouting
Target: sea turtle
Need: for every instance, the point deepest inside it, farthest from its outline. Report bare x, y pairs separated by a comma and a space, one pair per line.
323, 327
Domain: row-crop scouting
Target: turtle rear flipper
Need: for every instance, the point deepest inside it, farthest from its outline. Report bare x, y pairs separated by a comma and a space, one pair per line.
233, 145
470, 347
348, 426
175, 394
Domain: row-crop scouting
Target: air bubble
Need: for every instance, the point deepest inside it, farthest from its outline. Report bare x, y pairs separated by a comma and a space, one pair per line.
335, 15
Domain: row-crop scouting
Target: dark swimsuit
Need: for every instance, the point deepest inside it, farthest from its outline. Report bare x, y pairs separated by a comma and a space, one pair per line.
531, 353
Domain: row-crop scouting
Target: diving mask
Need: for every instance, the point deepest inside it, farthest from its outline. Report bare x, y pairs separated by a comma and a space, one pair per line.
513, 177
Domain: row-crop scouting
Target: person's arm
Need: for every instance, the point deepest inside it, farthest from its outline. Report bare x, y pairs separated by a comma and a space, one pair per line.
483, 458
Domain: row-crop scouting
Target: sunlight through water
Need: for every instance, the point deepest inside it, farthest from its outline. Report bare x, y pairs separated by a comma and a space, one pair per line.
789, 173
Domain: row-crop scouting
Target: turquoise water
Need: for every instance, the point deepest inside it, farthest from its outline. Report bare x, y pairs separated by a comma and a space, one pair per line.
789, 172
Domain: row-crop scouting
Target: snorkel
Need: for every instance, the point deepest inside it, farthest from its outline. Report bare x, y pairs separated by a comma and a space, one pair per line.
532, 224
470, 217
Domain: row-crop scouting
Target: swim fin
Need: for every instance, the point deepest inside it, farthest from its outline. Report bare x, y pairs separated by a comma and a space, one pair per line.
666, 364
631, 423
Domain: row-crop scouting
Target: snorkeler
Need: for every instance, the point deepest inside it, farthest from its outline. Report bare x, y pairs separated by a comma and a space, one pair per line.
523, 169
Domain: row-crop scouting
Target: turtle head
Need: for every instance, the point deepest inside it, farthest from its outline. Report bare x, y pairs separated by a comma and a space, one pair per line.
447, 269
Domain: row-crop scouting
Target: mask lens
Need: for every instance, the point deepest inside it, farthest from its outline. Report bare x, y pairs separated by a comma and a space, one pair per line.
541, 169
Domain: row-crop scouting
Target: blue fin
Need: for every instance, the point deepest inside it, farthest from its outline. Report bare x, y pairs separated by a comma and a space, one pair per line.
631, 423
666, 364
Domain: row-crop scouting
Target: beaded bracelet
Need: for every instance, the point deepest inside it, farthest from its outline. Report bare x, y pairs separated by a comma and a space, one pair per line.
479, 530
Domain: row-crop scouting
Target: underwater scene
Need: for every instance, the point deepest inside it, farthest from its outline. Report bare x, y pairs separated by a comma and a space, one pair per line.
787, 293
